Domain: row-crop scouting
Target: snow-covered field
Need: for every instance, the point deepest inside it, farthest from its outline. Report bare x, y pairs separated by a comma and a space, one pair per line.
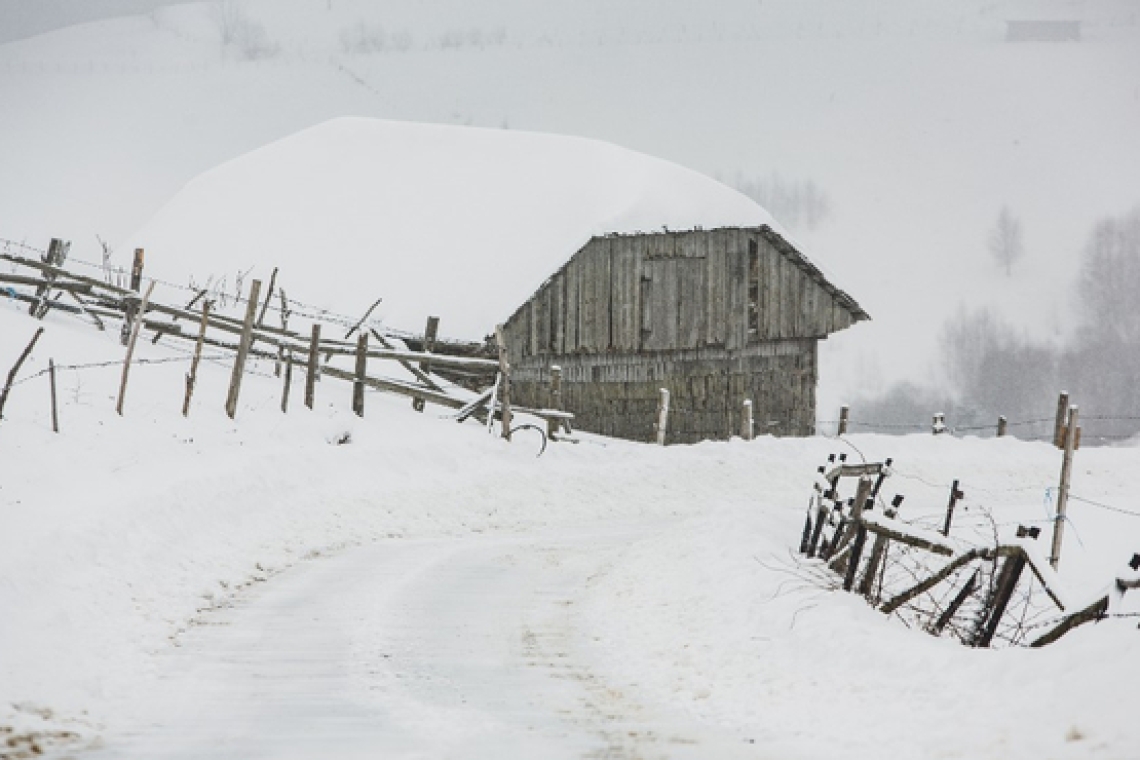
126, 537
605, 599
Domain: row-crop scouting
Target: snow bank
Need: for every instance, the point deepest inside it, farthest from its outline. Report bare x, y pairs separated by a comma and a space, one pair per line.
460, 222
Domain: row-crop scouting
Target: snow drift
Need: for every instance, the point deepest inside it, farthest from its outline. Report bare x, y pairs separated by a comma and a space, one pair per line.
460, 222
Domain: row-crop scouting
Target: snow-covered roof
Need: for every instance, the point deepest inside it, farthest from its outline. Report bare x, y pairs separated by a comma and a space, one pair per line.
459, 222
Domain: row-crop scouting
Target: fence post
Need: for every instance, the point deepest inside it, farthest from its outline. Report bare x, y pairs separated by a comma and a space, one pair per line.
504, 384
747, 425
1063, 490
1002, 423
312, 368
54, 407
192, 378
844, 411
431, 331
136, 283
288, 381
938, 424
243, 349
662, 416
553, 424
361, 371
1059, 422
1007, 582
135, 328
955, 494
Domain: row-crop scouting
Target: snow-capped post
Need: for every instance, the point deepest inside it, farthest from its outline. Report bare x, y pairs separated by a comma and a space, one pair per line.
313, 366
243, 349
662, 416
361, 371
844, 411
938, 424
140, 315
54, 407
850, 530
431, 331
1059, 423
1063, 490
747, 423
955, 495
504, 383
192, 377
1002, 424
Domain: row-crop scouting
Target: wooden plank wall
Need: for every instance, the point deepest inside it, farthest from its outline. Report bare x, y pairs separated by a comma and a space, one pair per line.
616, 393
626, 311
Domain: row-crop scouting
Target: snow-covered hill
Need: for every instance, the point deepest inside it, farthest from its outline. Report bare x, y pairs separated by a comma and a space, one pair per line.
459, 222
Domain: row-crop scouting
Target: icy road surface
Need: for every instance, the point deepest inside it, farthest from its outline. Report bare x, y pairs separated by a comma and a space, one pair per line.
451, 648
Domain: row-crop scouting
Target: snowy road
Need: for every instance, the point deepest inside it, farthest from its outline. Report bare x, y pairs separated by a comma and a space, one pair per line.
464, 647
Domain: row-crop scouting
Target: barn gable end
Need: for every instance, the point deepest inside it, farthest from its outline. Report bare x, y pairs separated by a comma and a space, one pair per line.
716, 316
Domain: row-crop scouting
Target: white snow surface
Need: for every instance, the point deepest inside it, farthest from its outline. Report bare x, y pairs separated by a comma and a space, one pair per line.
604, 597
460, 222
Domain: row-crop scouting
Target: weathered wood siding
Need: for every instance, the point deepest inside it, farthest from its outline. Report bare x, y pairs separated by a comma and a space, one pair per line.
716, 316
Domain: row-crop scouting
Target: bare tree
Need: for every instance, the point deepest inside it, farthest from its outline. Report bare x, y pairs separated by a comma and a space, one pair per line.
1005, 240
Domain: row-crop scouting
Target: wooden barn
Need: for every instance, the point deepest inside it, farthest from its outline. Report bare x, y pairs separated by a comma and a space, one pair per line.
714, 316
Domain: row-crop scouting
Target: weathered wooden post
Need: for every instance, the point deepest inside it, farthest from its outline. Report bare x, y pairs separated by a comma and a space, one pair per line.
844, 411
288, 381
552, 423
955, 495
130, 314
662, 425
192, 377
747, 425
504, 383
851, 528
1007, 582
243, 349
16, 368
361, 372
1063, 490
878, 553
1002, 424
1059, 422
54, 408
55, 256
268, 298
313, 365
431, 331
140, 315
956, 604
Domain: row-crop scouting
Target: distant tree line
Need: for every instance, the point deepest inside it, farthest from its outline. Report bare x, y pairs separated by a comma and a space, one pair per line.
991, 369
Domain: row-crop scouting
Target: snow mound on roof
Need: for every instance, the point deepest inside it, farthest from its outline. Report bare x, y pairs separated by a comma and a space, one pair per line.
459, 222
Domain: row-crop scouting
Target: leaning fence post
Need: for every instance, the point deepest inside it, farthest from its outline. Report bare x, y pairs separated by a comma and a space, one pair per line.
139, 317
54, 407
747, 425
955, 494
1007, 582
844, 411
662, 416
1063, 490
361, 371
192, 378
136, 283
313, 366
16, 368
243, 349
